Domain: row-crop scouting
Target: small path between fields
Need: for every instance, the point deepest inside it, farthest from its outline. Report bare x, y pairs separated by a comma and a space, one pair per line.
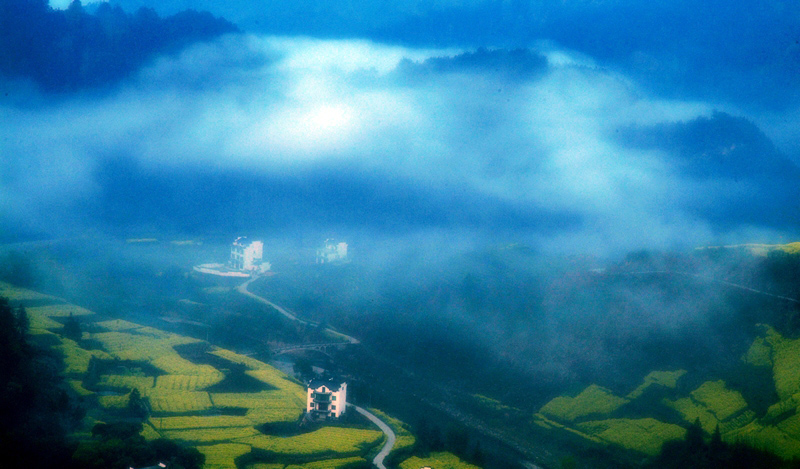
390, 436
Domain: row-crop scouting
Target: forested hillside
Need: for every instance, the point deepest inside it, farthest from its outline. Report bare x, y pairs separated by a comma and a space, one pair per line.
67, 50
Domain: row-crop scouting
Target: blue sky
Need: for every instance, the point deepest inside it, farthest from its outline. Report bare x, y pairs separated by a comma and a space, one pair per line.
326, 116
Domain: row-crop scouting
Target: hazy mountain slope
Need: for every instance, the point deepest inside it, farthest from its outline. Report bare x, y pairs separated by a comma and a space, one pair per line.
747, 179
72, 49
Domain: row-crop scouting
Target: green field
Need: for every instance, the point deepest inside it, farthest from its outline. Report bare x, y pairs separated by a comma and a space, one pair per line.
718, 399
343, 463
15, 294
644, 435
404, 438
594, 400
438, 461
324, 442
667, 379
223, 455
145, 359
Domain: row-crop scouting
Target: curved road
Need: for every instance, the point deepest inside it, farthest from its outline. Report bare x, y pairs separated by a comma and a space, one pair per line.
390, 436
244, 291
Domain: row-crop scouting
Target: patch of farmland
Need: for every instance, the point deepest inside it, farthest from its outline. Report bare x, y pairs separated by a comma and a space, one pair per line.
440, 460
718, 399
117, 325
667, 379
759, 353
126, 346
113, 402
16, 294
326, 440
77, 386
77, 358
643, 435
184, 423
594, 400
786, 363
222, 456
59, 311
40, 321
691, 410
234, 357
149, 433
737, 422
262, 407
262, 415
153, 332
172, 363
775, 411
127, 382
405, 439
279, 380
767, 437
713, 404
190, 382
344, 463
210, 435
791, 425
168, 401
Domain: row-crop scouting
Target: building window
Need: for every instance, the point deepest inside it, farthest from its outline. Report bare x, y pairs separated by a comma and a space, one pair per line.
333, 398
333, 407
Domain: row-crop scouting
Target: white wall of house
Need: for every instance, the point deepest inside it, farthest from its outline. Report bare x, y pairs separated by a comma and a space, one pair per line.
322, 400
246, 256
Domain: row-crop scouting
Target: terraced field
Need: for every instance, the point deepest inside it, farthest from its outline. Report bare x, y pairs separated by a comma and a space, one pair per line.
125, 356
438, 461
713, 403
644, 435
594, 400
668, 379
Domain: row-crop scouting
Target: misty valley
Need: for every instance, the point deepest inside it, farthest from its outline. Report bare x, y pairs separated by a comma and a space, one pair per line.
494, 357
459, 234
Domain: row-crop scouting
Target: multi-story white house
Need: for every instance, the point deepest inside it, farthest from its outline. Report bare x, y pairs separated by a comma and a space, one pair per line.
327, 397
332, 252
246, 255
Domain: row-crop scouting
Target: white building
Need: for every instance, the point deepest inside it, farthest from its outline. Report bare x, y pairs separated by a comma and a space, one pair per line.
332, 252
246, 255
327, 398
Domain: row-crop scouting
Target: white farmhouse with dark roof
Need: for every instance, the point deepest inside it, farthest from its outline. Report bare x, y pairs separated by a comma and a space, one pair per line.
327, 397
246, 255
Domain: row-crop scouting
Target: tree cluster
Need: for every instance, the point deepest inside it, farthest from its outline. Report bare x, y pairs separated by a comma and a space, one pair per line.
72, 49
35, 409
694, 452
119, 446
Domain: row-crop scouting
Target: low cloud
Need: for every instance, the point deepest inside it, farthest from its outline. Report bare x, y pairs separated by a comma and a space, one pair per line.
349, 127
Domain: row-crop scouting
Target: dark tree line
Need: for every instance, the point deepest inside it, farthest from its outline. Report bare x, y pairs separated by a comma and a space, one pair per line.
120, 445
36, 412
72, 49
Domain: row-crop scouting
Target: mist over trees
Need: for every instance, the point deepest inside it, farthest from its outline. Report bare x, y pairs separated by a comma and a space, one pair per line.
68, 50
